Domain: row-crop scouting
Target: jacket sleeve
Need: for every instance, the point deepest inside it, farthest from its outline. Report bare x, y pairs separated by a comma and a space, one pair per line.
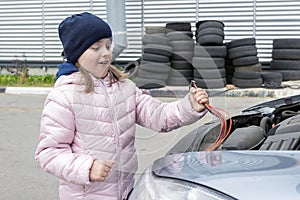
54, 152
165, 116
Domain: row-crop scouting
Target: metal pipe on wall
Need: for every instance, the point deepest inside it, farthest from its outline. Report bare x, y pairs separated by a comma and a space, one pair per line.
116, 17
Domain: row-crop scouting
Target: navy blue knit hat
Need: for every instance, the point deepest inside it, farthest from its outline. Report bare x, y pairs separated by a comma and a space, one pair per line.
79, 31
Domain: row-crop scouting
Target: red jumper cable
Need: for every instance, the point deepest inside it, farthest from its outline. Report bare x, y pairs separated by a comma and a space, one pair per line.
224, 127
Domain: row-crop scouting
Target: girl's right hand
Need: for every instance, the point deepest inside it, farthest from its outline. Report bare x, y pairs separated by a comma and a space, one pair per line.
100, 169
198, 97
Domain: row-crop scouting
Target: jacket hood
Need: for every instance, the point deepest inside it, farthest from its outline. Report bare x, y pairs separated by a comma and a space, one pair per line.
74, 78
65, 68
77, 79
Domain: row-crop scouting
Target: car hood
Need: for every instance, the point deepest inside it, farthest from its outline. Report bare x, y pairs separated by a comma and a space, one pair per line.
240, 174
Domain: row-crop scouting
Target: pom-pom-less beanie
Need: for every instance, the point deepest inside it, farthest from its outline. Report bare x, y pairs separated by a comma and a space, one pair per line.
79, 31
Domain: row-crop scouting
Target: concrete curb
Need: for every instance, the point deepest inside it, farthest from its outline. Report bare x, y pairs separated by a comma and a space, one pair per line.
180, 91
289, 88
27, 90
249, 92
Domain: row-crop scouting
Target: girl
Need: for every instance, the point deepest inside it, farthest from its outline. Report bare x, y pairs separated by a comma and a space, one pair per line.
88, 122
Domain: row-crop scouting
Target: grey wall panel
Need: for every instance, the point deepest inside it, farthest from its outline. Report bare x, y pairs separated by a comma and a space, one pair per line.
29, 27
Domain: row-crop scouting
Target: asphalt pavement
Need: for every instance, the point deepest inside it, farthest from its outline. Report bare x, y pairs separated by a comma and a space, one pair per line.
20, 110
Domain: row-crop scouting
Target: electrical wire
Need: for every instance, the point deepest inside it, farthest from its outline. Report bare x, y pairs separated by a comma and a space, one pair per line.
224, 127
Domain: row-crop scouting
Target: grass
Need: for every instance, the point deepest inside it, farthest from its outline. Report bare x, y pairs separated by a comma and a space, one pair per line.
20, 80
47, 80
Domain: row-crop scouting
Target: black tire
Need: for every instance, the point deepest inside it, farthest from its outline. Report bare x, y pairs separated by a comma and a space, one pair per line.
253, 68
208, 63
155, 57
149, 83
155, 39
182, 45
210, 51
159, 49
209, 73
247, 83
143, 62
211, 83
182, 55
244, 61
209, 24
152, 75
181, 73
178, 26
179, 81
289, 75
155, 29
286, 54
210, 40
180, 35
291, 43
155, 67
272, 79
246, 75
285, 64
241, 42
271, 76
210, 31
181, 64
242, 51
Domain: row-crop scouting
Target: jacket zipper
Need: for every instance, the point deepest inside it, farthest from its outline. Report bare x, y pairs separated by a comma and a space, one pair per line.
117, 137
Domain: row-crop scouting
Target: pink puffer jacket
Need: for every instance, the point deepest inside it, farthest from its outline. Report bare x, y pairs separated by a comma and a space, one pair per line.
77, 128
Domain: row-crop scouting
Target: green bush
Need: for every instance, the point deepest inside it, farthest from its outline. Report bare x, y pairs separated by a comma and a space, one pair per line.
31, 80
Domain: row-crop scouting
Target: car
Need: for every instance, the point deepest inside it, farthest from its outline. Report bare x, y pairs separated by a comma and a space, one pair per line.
259, 159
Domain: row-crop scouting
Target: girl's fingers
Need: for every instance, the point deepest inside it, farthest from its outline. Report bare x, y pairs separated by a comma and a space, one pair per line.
100, 169
198, 97
201, 96
107, 163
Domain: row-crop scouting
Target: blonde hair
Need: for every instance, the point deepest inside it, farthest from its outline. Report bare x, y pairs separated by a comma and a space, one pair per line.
115, 75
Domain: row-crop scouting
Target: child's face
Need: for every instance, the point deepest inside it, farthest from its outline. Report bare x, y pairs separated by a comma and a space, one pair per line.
97, 58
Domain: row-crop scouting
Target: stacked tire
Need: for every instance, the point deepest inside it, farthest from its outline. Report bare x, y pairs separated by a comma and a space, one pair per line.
209, 55
271, 79
178, 26
247, 79
243, 56
286, 58
181, 40
229, 67
209, 32
155, 61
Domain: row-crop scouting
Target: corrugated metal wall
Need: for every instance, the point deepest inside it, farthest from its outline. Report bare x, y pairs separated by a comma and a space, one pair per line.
30, 27
21, 29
